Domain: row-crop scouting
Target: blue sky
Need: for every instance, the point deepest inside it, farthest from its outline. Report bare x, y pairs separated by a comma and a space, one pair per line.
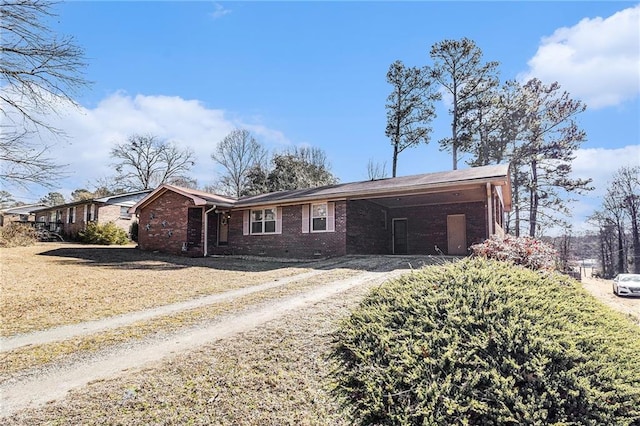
313, 73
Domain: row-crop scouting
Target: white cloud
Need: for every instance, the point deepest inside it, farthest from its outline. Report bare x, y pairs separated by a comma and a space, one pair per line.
599, 164
596, 60
219, 11
92, 132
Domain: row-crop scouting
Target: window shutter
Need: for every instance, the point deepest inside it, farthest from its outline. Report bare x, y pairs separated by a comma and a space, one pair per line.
331, 217
245, 222
279, 220
305, 218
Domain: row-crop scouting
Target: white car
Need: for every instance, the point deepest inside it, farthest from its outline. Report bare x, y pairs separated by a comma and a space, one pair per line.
627, 285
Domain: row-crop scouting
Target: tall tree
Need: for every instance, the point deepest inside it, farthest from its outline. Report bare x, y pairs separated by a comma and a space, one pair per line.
625, 190
410, 108
145, 161
81, 194
459, 70
238, 153
39, 70
496, 123
551, 137
300, 168
295, 168
53, 199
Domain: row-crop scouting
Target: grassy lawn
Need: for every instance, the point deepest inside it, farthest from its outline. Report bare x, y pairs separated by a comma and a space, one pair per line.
52, 284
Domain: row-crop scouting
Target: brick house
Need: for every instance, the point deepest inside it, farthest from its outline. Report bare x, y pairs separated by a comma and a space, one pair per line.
19, 214
70, 218
431, 213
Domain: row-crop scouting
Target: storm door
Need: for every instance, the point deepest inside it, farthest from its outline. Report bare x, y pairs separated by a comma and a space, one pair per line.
400, 236
194, 227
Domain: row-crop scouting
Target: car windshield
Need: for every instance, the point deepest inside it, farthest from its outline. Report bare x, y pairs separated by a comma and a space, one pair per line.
630, 278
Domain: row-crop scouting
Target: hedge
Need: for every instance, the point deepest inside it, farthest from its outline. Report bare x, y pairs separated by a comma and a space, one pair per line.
104, 234
484, 342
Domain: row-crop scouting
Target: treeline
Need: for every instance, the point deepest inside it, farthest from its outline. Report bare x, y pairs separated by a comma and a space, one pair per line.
531, 125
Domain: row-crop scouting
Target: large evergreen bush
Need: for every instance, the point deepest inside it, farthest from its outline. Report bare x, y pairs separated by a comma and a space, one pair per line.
104, 234
484, 342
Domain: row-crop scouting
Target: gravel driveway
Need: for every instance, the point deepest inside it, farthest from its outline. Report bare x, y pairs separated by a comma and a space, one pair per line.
602, 290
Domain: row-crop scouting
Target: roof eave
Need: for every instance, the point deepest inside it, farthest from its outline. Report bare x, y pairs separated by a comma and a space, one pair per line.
431, 187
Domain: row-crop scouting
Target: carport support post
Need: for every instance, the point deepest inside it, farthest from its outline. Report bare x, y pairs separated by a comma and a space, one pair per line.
489, 211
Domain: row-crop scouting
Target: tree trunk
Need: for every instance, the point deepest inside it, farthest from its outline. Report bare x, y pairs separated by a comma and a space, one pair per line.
621, 257
533, 199
395, 160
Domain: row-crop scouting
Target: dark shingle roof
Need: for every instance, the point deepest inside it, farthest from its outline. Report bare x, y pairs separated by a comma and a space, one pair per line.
380, 186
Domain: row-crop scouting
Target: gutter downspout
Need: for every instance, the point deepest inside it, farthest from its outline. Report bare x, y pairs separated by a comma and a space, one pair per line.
489, 211
206, 230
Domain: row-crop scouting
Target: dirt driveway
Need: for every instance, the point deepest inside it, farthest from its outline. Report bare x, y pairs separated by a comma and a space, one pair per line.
272, 299
601, 289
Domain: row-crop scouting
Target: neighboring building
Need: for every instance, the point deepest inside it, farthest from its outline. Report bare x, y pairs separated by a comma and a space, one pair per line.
423, 214
21, 214
71, 218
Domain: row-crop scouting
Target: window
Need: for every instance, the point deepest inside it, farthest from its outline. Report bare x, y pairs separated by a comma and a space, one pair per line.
263, 221
319, 217
71, 215
90, 212
58, 216
124, 212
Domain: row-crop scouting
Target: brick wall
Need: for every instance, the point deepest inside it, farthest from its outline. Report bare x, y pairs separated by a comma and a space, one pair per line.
163, 225
291, 242
111, 213
368, 228
427, 225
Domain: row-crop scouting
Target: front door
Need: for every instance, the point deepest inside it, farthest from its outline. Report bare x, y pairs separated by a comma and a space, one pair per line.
457, 234
400, 236
223, 234
194, 227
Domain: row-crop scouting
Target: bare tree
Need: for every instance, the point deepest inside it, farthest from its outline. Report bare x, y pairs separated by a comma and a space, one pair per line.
410, 108
376, 170
625, 191
39, 71
145, 162
238, 153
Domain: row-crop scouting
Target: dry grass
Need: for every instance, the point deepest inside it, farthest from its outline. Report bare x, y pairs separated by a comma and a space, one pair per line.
50, 284
34, 356
277, 374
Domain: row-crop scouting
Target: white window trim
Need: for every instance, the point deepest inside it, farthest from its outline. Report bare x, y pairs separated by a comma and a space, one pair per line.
278, 221
307, 218
325, 217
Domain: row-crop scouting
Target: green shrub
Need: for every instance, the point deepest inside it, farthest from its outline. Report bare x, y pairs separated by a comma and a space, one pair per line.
17, 235
526, 251
133, 231
483, 342
105, 234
